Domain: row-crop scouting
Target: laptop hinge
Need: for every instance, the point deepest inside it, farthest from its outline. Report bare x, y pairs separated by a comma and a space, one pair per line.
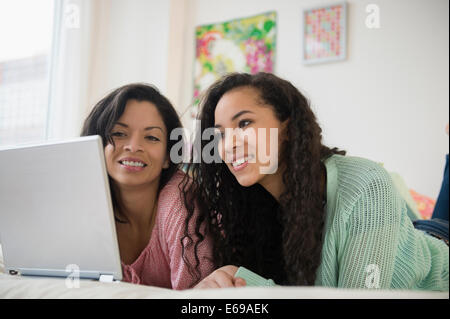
106, 278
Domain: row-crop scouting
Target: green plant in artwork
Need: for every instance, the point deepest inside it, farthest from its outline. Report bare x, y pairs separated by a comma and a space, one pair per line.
241, 45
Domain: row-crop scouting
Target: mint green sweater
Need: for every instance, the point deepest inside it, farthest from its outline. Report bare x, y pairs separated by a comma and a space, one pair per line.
369, 240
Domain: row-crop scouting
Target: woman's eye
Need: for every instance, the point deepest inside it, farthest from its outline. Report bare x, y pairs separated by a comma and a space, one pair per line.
117, 134
152, 138
244, 123
220, 134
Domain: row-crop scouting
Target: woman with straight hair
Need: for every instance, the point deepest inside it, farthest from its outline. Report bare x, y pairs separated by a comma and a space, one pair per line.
315, 217
134, 122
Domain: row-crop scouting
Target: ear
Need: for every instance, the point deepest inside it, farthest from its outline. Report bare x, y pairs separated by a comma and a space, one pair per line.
166, 163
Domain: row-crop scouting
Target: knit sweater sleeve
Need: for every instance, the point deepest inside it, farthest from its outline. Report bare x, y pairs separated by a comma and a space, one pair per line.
180, 275
367, 259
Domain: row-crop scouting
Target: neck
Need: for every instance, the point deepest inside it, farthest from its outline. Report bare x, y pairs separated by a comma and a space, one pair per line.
273, 183
275, 186
137, 205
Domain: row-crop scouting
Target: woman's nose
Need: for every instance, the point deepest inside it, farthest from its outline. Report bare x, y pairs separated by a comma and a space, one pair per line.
134, 144
232, 140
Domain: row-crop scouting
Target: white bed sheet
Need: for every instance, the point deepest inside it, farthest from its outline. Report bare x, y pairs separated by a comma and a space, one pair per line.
39, 287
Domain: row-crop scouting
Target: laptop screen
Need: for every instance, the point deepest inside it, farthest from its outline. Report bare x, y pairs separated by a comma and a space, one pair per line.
55, 210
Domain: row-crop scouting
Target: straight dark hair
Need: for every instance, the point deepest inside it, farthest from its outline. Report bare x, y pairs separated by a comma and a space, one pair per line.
108, 110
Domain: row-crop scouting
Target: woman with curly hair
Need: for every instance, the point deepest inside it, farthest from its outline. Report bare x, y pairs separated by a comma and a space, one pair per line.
317, 218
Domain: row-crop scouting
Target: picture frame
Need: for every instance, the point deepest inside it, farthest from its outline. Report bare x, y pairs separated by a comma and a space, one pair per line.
324, 32
245, 44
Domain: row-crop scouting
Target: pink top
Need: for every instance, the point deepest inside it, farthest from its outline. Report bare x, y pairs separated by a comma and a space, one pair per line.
161, 263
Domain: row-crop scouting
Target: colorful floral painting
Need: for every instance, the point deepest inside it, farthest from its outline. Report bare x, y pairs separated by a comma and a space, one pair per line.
324, 34
241, 45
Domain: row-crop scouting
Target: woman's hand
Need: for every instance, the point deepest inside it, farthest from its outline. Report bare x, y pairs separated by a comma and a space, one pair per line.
221, 278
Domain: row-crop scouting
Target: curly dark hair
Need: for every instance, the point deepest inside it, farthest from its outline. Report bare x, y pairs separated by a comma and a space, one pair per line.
281, 239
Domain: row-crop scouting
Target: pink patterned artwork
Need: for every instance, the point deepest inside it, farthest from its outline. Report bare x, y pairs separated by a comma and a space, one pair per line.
324, 34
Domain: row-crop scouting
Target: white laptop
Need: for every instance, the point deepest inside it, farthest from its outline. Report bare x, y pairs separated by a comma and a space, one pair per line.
56, 216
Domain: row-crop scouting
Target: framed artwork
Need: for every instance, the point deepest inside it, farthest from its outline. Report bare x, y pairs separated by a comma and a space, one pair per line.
324, 33
240, 45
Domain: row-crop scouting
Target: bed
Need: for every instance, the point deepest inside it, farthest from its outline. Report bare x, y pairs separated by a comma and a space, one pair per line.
53, 288
33, 287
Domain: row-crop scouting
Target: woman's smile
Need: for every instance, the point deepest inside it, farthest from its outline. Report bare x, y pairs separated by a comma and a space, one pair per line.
240, 164
248, 144
139, 151
132, 164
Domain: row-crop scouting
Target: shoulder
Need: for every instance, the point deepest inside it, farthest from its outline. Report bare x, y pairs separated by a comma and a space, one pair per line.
359, 180
355, 174
358, 166
171, 201
173, 185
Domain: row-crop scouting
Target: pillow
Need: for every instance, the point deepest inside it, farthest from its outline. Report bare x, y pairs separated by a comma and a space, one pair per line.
425, 204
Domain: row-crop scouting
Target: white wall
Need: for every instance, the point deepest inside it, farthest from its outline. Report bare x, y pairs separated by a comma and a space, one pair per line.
131, 45
388, 101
